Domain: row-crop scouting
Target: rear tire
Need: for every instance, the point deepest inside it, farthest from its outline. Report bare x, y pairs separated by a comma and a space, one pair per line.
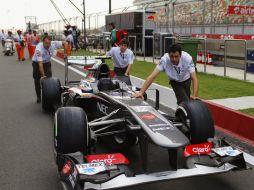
197, 118
71, 130
50, 93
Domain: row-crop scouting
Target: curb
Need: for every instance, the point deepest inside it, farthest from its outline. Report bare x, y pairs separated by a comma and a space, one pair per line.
231, 121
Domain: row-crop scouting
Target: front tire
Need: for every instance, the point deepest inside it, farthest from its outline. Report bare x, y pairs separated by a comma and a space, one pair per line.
196, 116
71, 130
50, 93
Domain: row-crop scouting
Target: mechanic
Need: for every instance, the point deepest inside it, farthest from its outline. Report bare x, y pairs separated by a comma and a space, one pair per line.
180, 69
41, 61
35, 41
122, 58
20, 45
29, 41
70, 42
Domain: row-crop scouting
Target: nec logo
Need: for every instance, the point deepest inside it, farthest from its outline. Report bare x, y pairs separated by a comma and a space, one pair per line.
102, 108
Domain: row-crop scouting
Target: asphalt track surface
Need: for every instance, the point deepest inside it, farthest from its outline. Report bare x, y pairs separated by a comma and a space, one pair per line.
26, 140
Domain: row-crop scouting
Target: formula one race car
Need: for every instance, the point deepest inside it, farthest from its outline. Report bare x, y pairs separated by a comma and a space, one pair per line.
106, 139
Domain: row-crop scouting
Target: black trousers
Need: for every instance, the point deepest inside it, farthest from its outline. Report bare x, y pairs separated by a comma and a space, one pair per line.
37, 75
120, 71
182, 90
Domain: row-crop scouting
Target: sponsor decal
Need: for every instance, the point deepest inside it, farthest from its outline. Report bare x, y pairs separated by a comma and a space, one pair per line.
204, 148
147, 116
161, 129
241, 10
103, 108
91, 168
226, 151
108, 159
151, 18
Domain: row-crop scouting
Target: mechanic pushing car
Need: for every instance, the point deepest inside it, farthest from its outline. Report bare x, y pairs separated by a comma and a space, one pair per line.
122, 58
41, 61
180, 70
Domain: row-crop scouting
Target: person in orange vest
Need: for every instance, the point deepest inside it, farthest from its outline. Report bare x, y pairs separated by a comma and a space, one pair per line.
69, 40
29, 40
35, 41
20, 45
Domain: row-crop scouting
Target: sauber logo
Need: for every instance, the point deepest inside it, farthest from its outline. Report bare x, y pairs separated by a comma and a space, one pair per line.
204, 148
147, 116
108, 159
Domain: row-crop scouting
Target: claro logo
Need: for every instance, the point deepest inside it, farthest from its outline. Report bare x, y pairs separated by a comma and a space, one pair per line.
204, 148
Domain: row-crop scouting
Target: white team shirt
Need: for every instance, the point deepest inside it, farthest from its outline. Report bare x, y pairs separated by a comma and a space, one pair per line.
180, 72
2, 36
44, 55
121, 60
19, 39
69, 39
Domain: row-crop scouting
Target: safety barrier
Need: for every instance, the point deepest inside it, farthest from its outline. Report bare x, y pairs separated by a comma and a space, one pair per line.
233, 122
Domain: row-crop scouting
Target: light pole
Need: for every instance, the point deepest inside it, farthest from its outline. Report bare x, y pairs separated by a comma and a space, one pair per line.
109, 8
84, 15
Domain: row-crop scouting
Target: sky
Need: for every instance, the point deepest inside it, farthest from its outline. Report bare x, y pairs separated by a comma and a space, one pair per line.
13, 12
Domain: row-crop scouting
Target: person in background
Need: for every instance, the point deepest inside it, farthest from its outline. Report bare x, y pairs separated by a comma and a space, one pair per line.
35, 41
53, 35
122, 58
41, 61
20, 45
112, 29
29, 41
180, 69
2, 37
69, 40
11, 37
75, 37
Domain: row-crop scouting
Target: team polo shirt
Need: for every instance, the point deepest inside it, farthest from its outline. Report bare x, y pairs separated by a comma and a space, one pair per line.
44, 55
180, 72
69, 39
19, 38
121, 60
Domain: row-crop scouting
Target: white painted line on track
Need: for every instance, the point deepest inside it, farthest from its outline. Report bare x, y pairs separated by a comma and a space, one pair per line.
71, 68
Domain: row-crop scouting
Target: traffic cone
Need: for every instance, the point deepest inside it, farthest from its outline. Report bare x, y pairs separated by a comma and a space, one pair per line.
209, 59
199, 57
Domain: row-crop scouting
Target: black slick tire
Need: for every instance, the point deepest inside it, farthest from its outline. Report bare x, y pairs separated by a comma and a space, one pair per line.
196, 116
71, 130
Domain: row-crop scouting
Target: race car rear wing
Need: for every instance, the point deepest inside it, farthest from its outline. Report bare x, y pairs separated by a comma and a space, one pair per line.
82, 61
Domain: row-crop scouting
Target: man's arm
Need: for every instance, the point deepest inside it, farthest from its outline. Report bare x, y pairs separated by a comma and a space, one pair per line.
194, 85
127, 73
41, 70
147, 83
65, 46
